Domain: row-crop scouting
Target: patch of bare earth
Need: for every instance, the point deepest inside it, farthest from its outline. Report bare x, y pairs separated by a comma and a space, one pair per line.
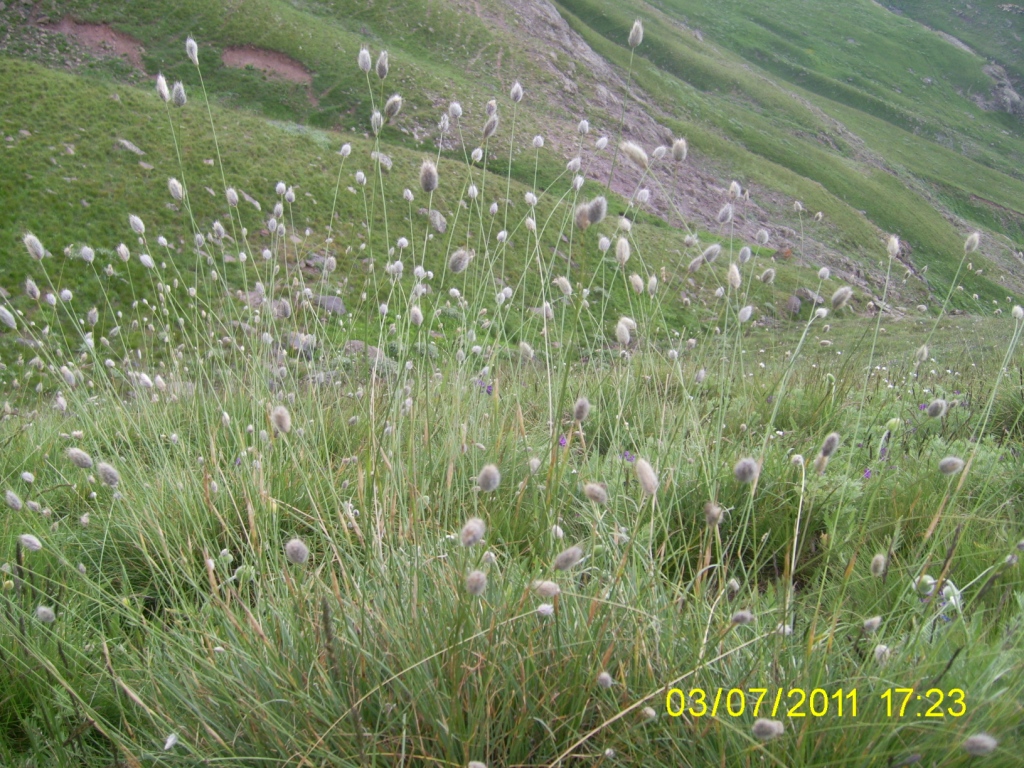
101, 39
271, 63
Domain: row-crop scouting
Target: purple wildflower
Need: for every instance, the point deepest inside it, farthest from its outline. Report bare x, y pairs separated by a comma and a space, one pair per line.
628, 456
867, 473
562, 441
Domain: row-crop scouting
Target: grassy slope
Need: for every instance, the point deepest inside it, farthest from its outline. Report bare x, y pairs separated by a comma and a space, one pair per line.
886, 183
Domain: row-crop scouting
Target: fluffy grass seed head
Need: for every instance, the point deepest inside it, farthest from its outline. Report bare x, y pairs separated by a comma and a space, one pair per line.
842, 297
34, 246
161, 88
567, 558
13, 500
765, 729
516, 94
951, 465
459, 260
597, 209
971, 244
979, 745
45, 614
79, 458
178, 97
712, 514
878, 565
745, 313
604, 680
937, 408
473, 532
581, 410
491, 126
622, 251
746, 470
882, 653
546, 589
108, 474
488, 478
893, 246
823, 273
392, 107
428, 176
364, 60
768, 276
646, 476
596, 492
711, 253
742, 617
1017, 312
30, 542
382, 65
622, 333
7, 318
281, 419
476, 583
296, 551
636, 34
192, 50
872, 624
734, 276
725, 214
679, 149
635, 152
830, 444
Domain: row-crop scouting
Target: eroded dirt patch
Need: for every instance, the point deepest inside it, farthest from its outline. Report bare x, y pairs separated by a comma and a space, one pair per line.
101, 39
273, 63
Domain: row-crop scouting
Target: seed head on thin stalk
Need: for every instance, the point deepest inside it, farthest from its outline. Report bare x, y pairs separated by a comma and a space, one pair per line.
192, 50
635, 152
178, 97
296, 551
878, 565
161, 88
979, 745
488, 478
382, 65
746, 470
636, 34
79, 458
364, 60
473, 532
476, 583
281, 419
392, 107
428, 176
842, 297
765, 729
951, 465
646, 476
568, 558
596, 492
712, 514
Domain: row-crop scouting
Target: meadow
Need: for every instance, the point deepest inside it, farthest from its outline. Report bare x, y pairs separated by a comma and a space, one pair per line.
541, 494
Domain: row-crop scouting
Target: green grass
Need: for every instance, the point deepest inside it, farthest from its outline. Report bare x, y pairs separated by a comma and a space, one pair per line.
178, 612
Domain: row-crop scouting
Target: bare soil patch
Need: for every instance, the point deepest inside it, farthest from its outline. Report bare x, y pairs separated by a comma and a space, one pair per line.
273, 63
101, 39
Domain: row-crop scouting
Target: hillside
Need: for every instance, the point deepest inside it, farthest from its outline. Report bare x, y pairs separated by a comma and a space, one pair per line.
510, 383
806, 114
